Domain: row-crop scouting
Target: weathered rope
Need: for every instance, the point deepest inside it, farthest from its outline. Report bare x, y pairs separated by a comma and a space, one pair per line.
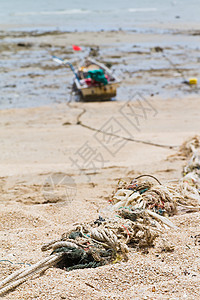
23, 274
58, 244
106, 236
148, 175
141, 207
183, 196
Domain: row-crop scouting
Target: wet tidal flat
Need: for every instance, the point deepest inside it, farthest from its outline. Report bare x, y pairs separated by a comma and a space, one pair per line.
147, 63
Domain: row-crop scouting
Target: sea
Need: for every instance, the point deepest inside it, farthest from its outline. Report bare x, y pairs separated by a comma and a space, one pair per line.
81, 15
157, 65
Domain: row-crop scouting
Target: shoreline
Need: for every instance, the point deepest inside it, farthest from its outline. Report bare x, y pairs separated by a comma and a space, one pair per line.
171, 28
147, 63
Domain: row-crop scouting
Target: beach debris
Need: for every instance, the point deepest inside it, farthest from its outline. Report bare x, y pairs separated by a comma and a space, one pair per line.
191, 172
191, 81
94, 51
157, 49
158, 200
76, 48
90, 245
140, 213
189, 147
24, 274
105, 241
26, 45
165, 200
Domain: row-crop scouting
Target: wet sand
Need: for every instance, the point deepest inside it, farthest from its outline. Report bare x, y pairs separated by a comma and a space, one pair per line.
152, 63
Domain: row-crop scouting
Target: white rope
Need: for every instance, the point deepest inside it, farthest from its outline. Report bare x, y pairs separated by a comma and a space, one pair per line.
105, 236
164, 220
17, 282
22, 275
21, 271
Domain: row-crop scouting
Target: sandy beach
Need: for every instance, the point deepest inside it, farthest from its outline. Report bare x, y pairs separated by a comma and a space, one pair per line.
92, 146
39, 142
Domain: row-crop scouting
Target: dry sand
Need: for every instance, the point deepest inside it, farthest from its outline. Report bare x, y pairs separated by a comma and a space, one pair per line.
39, 142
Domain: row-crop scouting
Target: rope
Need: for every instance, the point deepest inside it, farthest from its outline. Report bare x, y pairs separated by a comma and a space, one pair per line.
105, 235
125, 138
13, 263
58, 244
79, 122
162, 199
141, 207
148, 176
22, 275
17, 282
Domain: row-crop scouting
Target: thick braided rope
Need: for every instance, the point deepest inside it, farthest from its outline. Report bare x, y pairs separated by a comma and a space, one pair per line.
22, 275
106, 236
17, 282
58, 244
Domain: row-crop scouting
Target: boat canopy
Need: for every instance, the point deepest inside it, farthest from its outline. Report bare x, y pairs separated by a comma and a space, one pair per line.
98, 75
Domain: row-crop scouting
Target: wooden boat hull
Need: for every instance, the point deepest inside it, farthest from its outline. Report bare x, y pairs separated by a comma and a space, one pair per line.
97, 92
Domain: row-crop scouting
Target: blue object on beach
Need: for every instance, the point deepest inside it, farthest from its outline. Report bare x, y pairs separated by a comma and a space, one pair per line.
61, 61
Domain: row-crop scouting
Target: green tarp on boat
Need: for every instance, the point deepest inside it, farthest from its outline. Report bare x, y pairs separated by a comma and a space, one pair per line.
98, 75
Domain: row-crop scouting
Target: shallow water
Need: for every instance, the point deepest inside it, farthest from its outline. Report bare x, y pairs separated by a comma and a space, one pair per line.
96, 15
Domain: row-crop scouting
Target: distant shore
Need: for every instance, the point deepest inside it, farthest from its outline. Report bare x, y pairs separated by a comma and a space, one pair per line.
184, 27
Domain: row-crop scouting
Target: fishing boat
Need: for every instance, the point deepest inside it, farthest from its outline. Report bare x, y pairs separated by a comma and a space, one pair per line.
94, 81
